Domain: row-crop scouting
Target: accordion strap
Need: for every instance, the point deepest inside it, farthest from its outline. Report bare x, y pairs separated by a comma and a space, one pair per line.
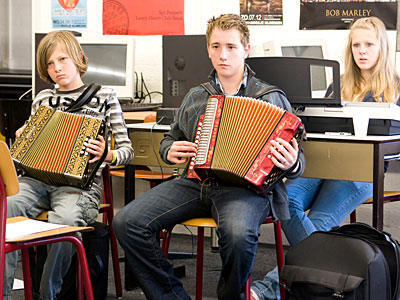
258, 94
85, 97
98, 163
209, 88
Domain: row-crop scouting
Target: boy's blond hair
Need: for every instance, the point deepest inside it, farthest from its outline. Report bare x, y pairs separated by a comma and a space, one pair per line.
70, 45
226, 22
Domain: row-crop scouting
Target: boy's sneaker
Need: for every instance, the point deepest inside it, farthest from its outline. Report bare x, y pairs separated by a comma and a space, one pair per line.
253, 295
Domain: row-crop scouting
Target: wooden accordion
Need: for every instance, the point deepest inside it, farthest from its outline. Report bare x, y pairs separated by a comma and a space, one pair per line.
51, 147
234, 139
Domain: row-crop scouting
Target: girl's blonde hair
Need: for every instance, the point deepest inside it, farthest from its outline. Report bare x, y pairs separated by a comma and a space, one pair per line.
384, 83
70, 45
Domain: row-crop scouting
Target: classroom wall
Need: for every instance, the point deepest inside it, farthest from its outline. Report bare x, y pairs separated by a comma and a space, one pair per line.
148, 56
15, 34
4, 36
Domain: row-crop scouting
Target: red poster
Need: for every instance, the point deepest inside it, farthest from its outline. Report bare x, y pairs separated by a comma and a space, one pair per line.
150, 17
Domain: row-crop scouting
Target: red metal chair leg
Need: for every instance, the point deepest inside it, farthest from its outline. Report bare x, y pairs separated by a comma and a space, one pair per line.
166, 238
115, 260
84, 267
79, 287
353, 217
279, 254
108, 217
199, 263
26, 273
247, 292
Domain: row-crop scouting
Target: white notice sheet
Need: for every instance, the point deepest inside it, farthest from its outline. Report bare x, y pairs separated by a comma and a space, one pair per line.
27, 227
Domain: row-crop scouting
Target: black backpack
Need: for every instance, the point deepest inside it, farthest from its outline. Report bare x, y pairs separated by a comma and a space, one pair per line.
355, 261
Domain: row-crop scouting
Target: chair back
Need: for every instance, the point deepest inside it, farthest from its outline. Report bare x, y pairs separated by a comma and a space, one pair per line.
107, 191
8, 187
7, 171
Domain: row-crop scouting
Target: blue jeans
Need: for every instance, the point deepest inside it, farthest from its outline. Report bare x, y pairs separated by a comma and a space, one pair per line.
238, 212
329, 203
268, 287
66, 205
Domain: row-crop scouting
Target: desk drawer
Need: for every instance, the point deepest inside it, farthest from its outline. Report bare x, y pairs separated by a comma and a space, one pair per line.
146, 148
339, 160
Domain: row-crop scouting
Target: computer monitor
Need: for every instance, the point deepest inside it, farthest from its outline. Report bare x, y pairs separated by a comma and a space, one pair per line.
295, 75
310, 48
185, 64
111, 63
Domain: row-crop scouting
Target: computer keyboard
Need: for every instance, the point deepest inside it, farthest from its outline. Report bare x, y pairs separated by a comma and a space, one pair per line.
137, 106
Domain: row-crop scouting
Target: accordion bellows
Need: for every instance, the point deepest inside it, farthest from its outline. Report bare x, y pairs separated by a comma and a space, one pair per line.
234, 138
51, 147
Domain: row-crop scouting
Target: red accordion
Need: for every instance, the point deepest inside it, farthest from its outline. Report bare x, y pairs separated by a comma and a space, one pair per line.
234, 139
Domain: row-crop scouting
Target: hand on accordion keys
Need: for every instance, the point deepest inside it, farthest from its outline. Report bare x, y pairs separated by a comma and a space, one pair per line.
284, 153
19, 131
96, 148
180, 151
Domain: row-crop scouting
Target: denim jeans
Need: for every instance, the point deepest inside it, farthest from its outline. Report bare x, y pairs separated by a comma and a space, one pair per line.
238, 212
268, 287
329, 203
66, 205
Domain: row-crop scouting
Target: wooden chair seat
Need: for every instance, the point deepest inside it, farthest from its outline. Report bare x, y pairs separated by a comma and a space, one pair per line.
43, 215
144, 174
201, 222
388, 196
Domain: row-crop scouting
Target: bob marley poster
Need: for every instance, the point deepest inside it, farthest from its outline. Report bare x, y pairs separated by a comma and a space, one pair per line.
261, 12
339, 14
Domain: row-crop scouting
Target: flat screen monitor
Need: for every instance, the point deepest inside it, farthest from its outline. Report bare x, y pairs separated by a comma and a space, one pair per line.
185, 64
111, 63
294, 75
310, 48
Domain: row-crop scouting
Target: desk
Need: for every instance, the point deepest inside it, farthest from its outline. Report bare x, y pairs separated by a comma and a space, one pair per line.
351, 158
137, 116
327, 156
146, 138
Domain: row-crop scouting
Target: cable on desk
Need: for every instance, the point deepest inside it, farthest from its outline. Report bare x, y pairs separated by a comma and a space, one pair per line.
136, 86
24, 94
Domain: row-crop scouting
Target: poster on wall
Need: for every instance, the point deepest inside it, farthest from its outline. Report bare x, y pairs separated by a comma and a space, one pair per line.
261, 12
339, 14
69, 14
151, 17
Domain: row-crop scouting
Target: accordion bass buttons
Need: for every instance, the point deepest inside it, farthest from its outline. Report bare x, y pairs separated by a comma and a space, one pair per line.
83, 150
